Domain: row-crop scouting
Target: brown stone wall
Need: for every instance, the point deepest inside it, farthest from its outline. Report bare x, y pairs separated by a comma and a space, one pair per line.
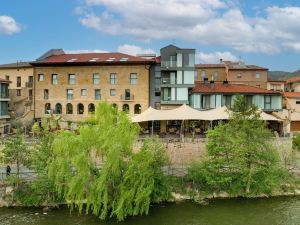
210, 72
248, 77
84, 80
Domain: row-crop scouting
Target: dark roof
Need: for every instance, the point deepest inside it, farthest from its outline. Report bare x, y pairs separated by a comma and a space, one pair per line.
15, 65
292, 80
201, 87
276, 81
219, 65
242, 66
92, 59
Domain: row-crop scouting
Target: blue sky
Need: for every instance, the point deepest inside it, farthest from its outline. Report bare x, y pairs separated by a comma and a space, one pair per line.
262, 32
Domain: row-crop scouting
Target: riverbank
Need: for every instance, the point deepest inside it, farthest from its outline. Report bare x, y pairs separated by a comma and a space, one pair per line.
275, 211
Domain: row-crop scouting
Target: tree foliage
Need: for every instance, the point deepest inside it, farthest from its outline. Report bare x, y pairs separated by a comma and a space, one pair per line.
240, 156
98, 166
15, 151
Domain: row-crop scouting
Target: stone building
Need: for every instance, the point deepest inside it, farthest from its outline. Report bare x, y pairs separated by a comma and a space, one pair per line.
4, 102
215, 72
240, 73
20, 75
72, 84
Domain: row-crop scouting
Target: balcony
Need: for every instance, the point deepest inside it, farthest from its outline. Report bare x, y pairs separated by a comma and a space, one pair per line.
29, 84
127, 97
167, 65
174, 102
172, 82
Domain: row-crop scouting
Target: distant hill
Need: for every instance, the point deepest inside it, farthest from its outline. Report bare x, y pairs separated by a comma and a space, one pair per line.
282, 75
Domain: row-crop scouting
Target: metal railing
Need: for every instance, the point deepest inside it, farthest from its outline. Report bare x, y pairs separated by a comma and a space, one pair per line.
169, 64
29, 84
127, 98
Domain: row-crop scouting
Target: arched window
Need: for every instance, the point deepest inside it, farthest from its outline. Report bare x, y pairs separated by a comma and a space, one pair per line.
80, 108
137, 109
115, 105
126, 108
58, 108
91, 108
69, 108
47, 108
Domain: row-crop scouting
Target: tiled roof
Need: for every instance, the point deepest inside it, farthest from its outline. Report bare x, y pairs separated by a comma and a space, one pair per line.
114, 57
242, 66
15, 65
293, 79
200, 87
291, 94
219, 65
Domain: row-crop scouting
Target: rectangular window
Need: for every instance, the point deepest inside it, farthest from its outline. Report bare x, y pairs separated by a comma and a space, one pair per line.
41, 77
203, 74
70, 94
249, 99
179, 59
205, 101
18, 92
191, 60
30, 93
257, 75
182, 94
267, 102
18, 81
7, 77
239, 75
112, 92
127, 94
133, 78
83, 92
46, 94
54, 79
113, 78
166, 94
227, 101
157, 81
298, 102
97, 94
4, 90
4, 108
189, 77
96, 78
72, 79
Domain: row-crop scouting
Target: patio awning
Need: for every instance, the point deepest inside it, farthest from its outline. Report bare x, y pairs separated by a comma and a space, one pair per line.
185, 112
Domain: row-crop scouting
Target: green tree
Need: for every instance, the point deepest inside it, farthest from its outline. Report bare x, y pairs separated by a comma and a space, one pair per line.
15, 151
41, 190
241, 158
97, 166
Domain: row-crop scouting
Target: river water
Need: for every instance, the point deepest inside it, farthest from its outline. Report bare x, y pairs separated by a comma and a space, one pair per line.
275, 211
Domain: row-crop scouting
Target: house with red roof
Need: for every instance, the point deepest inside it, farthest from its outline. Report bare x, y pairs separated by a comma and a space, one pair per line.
210, 95
70, 85
293, 84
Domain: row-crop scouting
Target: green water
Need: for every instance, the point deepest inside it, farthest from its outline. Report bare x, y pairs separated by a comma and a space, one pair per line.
275, 211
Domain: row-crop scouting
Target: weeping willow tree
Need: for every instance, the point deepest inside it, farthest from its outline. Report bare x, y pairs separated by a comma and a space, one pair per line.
98, 169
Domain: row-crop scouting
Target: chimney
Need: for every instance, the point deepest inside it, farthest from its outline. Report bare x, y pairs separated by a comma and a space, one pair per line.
205, 80
212, 84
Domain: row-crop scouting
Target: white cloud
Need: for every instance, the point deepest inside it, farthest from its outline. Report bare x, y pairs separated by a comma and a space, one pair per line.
216, 56
8, 25
85, 51
214, 22
134, 50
